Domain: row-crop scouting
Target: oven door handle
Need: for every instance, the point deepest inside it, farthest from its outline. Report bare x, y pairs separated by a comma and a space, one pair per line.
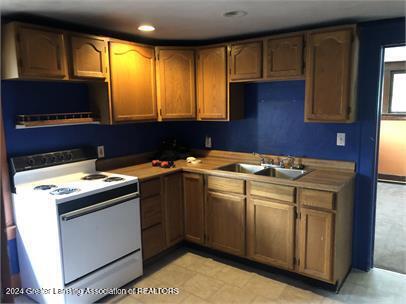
106, 204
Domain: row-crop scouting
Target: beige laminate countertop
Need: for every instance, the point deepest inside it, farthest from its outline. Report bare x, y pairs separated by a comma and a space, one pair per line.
321, 179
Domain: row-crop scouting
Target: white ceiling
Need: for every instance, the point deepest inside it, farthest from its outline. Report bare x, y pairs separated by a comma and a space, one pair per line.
203, 19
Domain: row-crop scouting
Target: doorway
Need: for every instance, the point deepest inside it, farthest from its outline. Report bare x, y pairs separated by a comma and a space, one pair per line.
390, 225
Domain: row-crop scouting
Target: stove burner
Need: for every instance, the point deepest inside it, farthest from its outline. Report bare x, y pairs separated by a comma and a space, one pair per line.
44, 187
113, 179
94, 176
62, 191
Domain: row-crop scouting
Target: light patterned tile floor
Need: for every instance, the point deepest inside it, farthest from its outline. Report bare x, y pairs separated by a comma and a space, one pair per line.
202, 278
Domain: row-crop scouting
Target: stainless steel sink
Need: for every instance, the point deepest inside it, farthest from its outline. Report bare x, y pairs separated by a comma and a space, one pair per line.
242, 168
285, 173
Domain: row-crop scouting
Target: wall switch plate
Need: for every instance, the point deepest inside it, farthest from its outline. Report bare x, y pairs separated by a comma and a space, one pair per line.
341, 139
207, 142
100, 151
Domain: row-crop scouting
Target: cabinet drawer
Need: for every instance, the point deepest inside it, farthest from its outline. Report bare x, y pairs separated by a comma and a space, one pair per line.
317, 198
150, 188
278, 192
152, 241
151, 211
226, 184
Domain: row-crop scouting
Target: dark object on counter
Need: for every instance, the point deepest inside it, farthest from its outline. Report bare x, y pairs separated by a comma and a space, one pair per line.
170, 150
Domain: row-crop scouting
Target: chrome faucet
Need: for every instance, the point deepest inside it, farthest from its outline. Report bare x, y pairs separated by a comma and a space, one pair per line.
287, 162
264, 159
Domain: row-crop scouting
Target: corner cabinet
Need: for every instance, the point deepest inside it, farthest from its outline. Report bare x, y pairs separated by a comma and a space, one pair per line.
132, 76
246, 61
212, 83
33, 52
193, 195
88, 57
176, 83
330, 75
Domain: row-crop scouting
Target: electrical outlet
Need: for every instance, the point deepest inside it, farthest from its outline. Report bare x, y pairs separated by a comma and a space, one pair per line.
100, 151
341, 139
207, 143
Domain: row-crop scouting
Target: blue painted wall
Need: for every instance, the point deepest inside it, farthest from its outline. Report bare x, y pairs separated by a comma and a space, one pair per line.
24, 97
273, 124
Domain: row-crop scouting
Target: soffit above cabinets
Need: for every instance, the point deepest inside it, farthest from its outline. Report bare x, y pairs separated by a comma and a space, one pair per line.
204, 20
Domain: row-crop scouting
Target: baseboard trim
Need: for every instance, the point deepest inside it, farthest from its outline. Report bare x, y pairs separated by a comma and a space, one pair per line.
392, 178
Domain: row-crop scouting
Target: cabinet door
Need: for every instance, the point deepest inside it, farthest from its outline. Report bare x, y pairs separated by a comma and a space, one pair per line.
88, 57
271, 232
316, 243
194, 207
246, 61
173, 201
176, 84
226, 222
328, 75
42, 53
152, 241
212, 83
284, 57
132, 71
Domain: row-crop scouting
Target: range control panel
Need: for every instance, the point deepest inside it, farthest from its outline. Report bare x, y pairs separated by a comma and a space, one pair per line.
36, 161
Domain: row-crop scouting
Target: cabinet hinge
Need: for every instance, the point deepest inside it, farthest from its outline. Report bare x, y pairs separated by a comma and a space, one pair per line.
298, 215
160, 111
157, 56
298, 262
349, 110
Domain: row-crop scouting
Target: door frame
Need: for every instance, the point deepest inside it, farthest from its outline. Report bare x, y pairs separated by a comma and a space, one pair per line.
374, 37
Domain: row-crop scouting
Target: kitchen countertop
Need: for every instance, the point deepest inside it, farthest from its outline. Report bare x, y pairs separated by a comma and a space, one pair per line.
321, 179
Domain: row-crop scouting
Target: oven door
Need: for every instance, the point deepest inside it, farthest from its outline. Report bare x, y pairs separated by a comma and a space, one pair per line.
99, 234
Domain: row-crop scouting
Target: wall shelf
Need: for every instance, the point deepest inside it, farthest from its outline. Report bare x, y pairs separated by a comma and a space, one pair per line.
54, 120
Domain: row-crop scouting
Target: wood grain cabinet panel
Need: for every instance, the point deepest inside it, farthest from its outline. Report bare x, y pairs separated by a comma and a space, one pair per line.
328, 75
225, 220
151, 211
246, 61
153, 241
88, 57
284, 57
132, 72
271, 229
41, 53
173, 202
212, 84
193, 196
176, 83
316, 243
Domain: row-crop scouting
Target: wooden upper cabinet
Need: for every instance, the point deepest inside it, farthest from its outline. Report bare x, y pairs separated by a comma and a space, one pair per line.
225, 220
316, 243
284, 57
176, 83
88, 57
271, 231
33, 52
328, 75
246, 61
193, 193
212, 84
132, 72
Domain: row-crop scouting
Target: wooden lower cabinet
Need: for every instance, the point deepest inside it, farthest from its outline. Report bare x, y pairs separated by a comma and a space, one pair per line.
153, 241
270, 232
173, 202
193, 195
316, 243
225, 220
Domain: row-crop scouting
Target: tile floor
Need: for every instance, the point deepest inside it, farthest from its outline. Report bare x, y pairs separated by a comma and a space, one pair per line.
390, 227
202, 278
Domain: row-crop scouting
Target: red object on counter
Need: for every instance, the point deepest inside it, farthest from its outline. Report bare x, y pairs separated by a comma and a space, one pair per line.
156, 163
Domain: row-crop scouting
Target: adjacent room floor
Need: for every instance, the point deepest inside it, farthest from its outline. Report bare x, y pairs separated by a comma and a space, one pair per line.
390, 227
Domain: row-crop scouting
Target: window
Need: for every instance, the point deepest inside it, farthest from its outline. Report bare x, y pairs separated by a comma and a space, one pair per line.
394, 91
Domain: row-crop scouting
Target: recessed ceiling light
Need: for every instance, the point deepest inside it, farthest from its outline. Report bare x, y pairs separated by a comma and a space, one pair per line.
146, 28
235, 14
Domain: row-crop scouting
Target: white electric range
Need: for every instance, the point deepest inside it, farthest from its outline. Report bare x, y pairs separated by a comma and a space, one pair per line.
78, 230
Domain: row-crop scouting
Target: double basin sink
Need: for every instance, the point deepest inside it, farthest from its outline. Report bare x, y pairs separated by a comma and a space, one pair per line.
265, 170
